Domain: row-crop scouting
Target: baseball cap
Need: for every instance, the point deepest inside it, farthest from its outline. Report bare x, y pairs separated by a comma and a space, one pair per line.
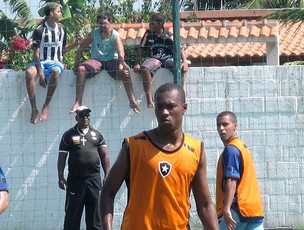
82, 108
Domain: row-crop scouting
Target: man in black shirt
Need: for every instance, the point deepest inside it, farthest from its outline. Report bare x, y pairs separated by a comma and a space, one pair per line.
157, 45
86, 149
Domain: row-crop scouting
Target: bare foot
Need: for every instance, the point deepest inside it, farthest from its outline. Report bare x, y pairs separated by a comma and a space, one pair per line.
150, 105
75, 106
135, 108
150, 102
34, 116
44, 114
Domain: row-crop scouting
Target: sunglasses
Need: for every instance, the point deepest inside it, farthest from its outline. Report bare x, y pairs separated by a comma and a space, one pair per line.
83, 115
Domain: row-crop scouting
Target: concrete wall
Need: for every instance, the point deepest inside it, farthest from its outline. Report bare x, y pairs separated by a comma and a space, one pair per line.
269, 102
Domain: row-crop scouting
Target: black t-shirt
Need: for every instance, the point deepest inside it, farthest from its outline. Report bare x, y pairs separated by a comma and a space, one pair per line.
83, 159
157, 46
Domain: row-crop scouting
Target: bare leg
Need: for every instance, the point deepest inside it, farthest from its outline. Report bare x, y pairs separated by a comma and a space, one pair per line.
80, 84
31, 72
130, 93
147, 83
183, 75
50, 92
126, 79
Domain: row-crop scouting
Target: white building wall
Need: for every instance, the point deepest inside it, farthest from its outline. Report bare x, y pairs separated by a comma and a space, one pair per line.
269, 103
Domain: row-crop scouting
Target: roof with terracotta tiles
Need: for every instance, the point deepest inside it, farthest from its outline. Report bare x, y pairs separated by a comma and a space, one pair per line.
208, 31
252, 42
227, 33
226, 38
222, 38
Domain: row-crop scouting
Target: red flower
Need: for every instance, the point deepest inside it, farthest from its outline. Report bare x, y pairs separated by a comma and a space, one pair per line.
3, 64
19, 44
19, 53
3, 60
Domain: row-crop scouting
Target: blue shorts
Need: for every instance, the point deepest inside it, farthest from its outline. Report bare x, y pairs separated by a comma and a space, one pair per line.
240, 225
47, 67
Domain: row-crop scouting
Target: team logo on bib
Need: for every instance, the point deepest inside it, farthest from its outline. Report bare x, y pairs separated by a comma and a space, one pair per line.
164, 168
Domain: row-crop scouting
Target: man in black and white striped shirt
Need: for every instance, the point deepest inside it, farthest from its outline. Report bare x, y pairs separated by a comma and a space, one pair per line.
49, 44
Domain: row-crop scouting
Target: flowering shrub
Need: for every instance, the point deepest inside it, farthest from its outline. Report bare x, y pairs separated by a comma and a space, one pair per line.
19, 44
3, 59
19, 53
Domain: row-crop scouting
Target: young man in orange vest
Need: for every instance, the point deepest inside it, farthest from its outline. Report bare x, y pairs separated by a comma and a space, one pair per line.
160, 166
238, 199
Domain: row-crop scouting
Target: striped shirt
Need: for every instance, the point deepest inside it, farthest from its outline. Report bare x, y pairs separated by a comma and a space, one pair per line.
50, 41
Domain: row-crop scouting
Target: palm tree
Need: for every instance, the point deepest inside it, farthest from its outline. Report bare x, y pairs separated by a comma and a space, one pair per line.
23, 12
275, 3
24, 22
72, 9
289, 11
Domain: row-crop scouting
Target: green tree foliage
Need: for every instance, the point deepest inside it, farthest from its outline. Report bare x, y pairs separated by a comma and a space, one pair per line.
264, 4
236, 4
289, 11
21, 8
79, 17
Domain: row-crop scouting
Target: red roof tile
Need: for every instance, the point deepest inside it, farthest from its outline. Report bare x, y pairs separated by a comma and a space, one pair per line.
220, 38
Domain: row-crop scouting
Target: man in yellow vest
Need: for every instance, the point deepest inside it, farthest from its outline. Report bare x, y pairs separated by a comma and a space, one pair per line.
238, 199
160, 167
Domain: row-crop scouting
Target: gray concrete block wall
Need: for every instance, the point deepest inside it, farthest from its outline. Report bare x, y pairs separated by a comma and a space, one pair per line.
269, 103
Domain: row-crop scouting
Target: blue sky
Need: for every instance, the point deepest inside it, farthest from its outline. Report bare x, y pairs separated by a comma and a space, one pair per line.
34, 4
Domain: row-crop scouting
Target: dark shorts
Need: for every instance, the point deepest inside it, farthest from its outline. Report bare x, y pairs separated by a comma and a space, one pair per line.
153, 64
94, 67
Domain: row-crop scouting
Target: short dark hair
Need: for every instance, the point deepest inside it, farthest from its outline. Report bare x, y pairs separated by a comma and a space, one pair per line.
227, 113
104, 15
171, 87
158, 17
50, 6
